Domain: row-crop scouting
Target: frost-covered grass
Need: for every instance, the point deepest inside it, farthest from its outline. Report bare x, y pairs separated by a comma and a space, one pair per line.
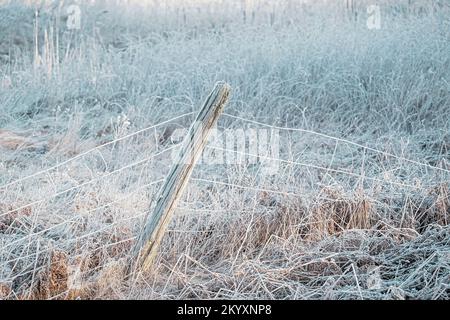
336, 217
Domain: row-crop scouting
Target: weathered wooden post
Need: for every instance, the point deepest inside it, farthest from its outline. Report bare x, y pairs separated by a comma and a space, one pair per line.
192, 146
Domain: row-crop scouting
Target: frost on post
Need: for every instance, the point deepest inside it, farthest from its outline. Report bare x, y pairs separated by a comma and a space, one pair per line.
73, 17
374, 17
178, 137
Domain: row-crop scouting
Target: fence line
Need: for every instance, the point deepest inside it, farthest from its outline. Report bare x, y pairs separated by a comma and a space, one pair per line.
93, 149
284, 193
29, 236
88, 182
239, 152
246, 187
88, 211
340, 140
141, 214
76, 238
317, 167
230, 116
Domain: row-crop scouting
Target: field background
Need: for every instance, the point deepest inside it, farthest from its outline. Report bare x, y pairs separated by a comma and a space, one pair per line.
360, 206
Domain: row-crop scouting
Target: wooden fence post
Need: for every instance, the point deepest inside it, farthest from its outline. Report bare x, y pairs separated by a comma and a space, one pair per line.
193, 144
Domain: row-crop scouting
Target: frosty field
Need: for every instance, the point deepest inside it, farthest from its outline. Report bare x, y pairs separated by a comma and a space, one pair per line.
347, 199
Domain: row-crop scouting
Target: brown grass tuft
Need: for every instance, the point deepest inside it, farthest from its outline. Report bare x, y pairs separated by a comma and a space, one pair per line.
54, 280
340, 212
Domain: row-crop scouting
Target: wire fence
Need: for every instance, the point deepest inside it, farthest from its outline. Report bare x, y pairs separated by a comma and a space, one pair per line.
21, 252
81, 155
143, 161
384, 153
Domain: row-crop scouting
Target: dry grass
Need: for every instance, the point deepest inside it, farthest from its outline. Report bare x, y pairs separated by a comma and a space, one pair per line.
337, 221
